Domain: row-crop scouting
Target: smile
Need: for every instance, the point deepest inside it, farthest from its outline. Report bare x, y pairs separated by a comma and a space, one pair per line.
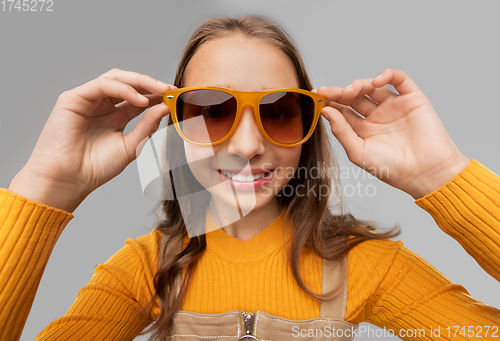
242, 177
245, 181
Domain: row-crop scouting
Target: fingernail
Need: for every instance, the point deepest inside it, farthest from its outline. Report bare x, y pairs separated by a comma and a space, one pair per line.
141, 96
349, 86
380, 75
161, 83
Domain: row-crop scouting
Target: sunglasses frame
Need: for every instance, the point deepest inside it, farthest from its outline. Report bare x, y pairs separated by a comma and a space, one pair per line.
244, 98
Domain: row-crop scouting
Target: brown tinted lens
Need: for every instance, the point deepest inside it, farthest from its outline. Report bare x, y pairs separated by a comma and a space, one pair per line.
206, 115
286, 116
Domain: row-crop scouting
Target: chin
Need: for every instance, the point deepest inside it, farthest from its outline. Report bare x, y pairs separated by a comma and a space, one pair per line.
247, 203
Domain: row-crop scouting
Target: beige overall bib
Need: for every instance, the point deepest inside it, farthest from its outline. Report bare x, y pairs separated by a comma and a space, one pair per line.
260, 325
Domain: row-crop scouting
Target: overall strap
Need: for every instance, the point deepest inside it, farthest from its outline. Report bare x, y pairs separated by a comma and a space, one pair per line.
334, 277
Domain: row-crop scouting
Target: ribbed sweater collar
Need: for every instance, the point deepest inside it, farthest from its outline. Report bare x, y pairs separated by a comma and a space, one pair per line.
259, 246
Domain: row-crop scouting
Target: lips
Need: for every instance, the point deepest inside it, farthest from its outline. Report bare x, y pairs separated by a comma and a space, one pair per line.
247, 183
241, 177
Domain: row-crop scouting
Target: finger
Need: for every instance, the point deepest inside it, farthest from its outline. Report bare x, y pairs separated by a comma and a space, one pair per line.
352, 143
138, 80
356, 95
130, 111
365, 87
363, 105
400, 80
144, 92
83, 98
145, 128
335, 105
334, 100
332, 93
352, 117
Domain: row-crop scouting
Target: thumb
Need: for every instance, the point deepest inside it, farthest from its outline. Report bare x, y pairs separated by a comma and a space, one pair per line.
145, 128
342, 130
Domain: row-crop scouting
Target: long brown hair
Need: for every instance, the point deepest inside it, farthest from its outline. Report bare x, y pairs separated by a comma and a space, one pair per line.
314, 226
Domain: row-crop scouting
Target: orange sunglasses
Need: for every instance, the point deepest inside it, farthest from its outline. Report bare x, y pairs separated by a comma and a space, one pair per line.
209, 115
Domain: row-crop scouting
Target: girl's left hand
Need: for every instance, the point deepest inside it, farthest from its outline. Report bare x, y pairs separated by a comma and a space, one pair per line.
396, 137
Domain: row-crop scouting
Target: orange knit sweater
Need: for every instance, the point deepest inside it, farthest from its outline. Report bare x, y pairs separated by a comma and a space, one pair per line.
388, 286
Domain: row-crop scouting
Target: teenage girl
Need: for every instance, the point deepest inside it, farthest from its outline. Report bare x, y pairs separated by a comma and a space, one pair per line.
287, 267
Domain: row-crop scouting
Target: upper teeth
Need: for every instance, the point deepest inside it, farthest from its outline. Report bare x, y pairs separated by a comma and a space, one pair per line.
243, 178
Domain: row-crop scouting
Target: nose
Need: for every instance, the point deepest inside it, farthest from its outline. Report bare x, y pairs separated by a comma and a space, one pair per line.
247, 138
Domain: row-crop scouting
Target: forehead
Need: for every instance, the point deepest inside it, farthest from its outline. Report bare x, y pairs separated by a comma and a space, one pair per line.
240, 63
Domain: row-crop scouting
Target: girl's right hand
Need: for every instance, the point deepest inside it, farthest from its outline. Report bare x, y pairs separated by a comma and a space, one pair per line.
82, 145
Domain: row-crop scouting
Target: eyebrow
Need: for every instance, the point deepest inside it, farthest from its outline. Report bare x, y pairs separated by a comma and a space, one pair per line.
223, 85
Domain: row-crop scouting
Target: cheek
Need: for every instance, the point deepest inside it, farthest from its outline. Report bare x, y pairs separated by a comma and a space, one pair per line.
292, 156
199, 159
289, 159
195, 153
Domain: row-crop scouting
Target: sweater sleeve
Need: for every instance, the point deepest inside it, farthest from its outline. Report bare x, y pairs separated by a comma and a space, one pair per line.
396, 289
468, 209
111, 306
28, 234
413, 299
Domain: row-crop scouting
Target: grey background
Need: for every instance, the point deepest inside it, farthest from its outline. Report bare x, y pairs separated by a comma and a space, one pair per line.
448, 48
